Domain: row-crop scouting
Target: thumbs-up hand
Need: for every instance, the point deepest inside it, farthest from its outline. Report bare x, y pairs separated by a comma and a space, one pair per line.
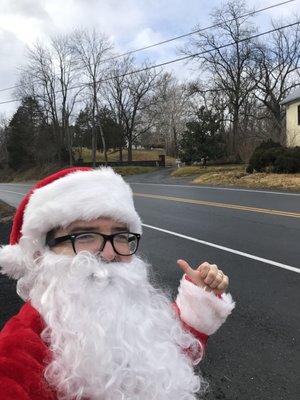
207, 276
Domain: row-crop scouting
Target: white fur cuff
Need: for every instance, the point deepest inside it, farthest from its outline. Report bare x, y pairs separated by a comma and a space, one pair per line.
202, 310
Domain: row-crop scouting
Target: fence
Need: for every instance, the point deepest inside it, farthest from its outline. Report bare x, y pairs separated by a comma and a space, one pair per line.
161, 162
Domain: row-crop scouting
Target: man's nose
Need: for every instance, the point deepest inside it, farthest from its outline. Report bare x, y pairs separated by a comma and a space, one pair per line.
108, 252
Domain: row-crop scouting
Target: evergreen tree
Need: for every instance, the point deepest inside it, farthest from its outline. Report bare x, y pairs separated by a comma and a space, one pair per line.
202, 138
113, 133
23, 133
111, 129
83, 129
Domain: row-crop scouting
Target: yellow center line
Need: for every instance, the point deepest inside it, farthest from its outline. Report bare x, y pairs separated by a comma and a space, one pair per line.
222, 205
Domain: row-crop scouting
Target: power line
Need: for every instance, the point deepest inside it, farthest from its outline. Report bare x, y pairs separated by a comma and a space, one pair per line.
177, 37
175, 60
9, 88
200, 30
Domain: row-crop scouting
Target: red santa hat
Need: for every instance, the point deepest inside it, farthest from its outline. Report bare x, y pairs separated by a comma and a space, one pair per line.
78, 193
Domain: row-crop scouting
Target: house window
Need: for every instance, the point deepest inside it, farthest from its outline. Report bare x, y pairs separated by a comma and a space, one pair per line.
299, 115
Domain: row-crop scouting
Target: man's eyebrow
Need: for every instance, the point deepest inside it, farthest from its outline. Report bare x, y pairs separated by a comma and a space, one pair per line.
94, 229
120, 228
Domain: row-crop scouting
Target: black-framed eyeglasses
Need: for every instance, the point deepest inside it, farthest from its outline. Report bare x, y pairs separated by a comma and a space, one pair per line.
123, 243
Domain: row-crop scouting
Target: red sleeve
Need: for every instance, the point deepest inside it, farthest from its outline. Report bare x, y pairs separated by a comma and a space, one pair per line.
10, 390
23, 357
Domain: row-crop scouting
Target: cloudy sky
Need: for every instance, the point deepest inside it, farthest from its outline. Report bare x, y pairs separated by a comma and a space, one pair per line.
130, 24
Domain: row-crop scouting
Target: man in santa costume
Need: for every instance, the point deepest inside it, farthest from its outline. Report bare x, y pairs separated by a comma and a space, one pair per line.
92, 326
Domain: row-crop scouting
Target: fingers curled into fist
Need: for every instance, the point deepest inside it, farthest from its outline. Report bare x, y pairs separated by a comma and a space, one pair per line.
206, 275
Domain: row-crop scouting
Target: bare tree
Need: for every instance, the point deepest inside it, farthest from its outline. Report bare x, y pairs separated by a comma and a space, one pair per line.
38, 80
171, 112
90, 50
67, 76
129, 94
278, 62
230, 68
3, 139
48, 76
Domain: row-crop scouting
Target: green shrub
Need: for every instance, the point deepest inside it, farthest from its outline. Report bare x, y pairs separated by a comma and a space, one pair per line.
263, 158
288, 162
272, 157
268, 144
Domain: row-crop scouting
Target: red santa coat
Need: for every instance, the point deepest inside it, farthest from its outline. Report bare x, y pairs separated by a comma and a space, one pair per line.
24, 356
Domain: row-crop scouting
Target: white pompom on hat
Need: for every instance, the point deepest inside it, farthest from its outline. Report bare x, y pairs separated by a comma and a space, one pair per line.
77, 193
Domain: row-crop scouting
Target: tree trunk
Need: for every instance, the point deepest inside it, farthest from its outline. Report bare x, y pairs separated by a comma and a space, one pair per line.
235, 130
278, 123
94, 138
69, 145
57, 136
94, 144
175, 141
103, 142
129, 158
121, 153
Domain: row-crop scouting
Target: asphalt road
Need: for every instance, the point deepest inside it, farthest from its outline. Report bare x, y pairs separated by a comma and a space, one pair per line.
254, 236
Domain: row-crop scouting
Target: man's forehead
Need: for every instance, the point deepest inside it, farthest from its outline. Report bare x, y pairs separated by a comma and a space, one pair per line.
98, 222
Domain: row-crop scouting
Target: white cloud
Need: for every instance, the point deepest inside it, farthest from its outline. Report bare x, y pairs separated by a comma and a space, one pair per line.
26, 8
11, 55
146, 37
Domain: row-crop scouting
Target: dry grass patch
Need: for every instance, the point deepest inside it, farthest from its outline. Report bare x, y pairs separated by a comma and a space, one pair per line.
186, 171
235, 175
255, 180
131, 170
271, 181
195, 170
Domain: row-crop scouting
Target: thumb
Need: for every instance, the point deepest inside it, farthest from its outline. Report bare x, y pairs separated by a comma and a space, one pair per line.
184, 265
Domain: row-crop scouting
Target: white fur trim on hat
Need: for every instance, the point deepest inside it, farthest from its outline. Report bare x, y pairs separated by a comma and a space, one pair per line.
80, 195
202, 310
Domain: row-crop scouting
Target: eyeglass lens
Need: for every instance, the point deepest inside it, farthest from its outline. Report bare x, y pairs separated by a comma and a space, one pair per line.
124, 243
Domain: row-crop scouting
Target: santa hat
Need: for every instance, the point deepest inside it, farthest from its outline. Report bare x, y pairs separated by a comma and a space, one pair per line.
78, 193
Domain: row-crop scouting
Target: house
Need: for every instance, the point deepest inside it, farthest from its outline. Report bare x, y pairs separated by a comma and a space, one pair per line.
292, 106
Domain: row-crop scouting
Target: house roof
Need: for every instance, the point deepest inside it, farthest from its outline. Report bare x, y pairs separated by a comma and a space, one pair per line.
295, 95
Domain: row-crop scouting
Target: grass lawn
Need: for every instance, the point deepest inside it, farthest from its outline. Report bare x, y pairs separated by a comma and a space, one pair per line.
235, 175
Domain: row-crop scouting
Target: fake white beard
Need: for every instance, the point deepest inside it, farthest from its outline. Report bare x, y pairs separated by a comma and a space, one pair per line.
113, 335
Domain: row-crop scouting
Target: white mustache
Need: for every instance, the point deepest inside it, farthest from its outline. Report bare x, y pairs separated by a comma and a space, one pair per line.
86, 267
